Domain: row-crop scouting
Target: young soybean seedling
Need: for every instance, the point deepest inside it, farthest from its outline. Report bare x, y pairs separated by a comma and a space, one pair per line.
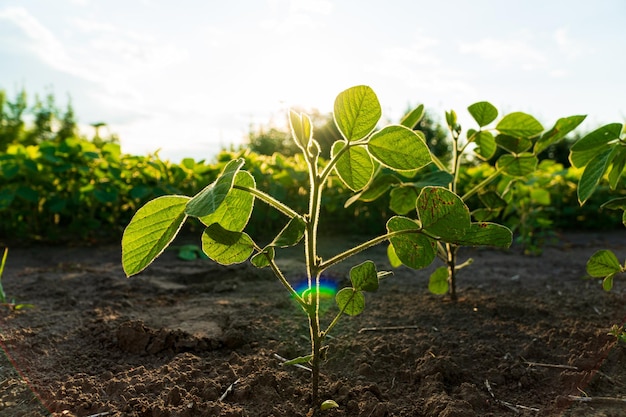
514, 135
225, 207
11, 304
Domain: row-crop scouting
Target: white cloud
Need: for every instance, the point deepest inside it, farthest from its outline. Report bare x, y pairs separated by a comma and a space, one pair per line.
39, 40
506, 53
311, 6
289, 16
566, 45
419, 66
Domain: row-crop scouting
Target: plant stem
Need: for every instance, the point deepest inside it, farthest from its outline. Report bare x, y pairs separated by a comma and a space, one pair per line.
366, 245
279, 274
482, 184
316, 345
313, 273
3, 298
452, 256
268, 199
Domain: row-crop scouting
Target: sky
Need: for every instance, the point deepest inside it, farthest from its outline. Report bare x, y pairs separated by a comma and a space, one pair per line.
191, 77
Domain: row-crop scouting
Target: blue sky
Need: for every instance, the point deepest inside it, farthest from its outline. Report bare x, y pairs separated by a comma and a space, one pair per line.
191, 76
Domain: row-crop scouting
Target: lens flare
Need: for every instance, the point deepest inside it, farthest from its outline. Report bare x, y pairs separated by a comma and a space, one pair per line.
328, 287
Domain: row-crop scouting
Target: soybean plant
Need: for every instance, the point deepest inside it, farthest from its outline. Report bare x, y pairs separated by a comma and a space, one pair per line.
225, 206
513, 143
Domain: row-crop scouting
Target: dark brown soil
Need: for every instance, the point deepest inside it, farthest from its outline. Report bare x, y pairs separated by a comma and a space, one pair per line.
528, 337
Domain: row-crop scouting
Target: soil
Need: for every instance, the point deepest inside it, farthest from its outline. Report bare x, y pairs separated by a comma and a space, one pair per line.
528, 337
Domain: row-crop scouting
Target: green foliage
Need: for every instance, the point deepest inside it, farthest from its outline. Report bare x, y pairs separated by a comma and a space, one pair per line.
619, 332
55, 185
49, 123
73, 189
602, 155
361, 155
604, 264
601, 152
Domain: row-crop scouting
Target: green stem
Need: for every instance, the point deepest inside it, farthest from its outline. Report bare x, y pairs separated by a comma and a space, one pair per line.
268, 199
456, 162
286, 284
313, 273
452, 257
335, 320
333, 161
3, 298
366, 245
438, 162
482, 184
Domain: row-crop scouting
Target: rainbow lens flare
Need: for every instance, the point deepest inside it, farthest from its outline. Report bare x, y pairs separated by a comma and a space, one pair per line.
328, 287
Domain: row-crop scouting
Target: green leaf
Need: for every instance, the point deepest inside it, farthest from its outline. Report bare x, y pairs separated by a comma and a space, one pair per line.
10, 169
299, 360
594, 171
263, 258
414, 249
438, 281
483, 112
27, 193
213, 195
350, 301
56, 204
589, 146
484, 214
234, 212
486, 234
189, 252
6, 198
517, 165
561, 128
513, 144
603, 263
437, 178
354, 167
492, 200
617, 167
451, 120
394, 261
226, 247
615, 204
412, 118
301, 129
375, 189
540, 196
105, 196
150, 231
485, 145
402, 200
291, 234
399, 148
607, 283
443, 213
364, 277
357, 111
328, 404
520, 125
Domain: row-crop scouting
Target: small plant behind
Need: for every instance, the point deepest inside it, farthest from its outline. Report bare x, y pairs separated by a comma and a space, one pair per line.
517, 138
4, 300
602, 154
225, 207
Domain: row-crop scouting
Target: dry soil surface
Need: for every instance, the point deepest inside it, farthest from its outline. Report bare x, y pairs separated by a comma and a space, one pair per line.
528, 337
